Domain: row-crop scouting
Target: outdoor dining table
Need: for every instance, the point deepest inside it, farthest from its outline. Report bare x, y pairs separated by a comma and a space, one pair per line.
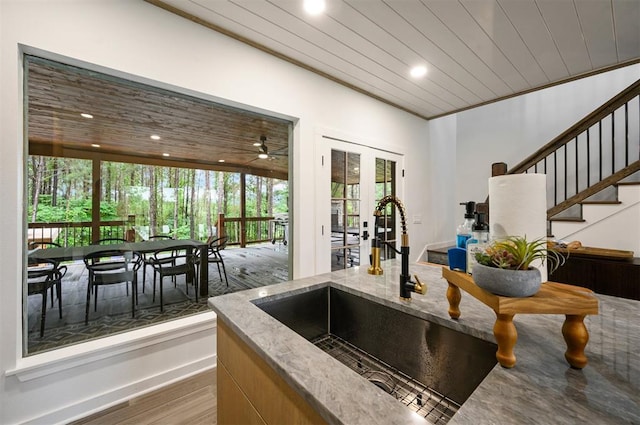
145, 247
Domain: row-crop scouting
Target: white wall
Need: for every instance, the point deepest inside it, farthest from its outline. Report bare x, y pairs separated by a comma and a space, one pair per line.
139, 41
510, 130
441, 164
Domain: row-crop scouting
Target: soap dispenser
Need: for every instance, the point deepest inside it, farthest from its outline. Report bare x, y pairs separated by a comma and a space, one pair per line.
463, 232
478, 242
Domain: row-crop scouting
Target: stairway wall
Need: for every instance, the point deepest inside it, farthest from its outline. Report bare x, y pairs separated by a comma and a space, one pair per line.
512, 129
607, 226
507, 131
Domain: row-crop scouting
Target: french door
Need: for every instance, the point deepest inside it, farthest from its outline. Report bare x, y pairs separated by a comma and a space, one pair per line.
353, 178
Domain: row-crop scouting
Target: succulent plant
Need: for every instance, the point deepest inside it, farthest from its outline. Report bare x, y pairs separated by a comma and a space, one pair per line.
516, 253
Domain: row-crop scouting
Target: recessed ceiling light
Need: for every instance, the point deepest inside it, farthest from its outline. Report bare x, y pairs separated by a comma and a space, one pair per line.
314, 7
165, 154
257, 144
418, 71
221, 160
263, 156
155, 137
85, 115
95, 145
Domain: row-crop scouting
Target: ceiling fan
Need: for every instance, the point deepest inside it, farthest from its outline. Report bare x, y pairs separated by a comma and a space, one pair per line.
263, 150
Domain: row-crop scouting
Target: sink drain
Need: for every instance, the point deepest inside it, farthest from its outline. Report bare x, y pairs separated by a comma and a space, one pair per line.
381, 380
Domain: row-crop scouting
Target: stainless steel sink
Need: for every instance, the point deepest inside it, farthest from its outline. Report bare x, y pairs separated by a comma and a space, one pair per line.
431, 368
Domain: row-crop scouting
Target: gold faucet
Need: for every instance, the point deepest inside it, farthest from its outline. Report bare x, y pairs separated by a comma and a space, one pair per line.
406, 285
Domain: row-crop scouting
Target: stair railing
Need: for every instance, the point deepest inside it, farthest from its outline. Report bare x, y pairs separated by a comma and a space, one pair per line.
598, 151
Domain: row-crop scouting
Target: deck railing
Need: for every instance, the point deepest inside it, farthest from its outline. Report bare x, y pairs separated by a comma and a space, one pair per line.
240, 231
67, 233
249, 230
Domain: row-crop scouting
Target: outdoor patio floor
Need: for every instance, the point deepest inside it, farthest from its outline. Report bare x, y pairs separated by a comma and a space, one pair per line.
247, 268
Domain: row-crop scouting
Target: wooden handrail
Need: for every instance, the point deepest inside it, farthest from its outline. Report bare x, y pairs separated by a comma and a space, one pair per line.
602, 184
555, 154
578, 128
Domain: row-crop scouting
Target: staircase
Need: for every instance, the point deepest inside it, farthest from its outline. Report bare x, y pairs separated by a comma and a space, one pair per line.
593, 176
601, 223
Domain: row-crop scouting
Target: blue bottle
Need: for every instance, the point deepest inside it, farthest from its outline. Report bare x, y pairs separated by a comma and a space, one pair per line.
478, 241
464, 231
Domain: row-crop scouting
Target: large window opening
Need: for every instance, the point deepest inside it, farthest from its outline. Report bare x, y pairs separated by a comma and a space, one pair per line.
114, 164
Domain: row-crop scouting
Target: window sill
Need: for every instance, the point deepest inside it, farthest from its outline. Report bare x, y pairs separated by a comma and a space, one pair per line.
39, 365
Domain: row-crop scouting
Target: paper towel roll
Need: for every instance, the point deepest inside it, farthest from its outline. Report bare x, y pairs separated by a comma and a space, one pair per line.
518, 207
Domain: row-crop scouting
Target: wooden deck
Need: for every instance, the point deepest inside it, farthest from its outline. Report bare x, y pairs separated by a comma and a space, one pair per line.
247, 268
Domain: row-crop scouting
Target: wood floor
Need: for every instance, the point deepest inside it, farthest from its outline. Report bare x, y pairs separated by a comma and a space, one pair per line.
191, 401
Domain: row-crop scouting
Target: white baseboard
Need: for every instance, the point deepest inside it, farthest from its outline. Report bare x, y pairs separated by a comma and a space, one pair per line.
125, 393
89, 378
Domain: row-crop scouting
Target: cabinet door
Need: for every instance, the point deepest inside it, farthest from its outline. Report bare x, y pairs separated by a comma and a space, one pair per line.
263, 395
233, 406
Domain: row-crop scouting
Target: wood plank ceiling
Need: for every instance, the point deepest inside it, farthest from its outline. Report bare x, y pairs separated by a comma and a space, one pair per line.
193, 132
476, 51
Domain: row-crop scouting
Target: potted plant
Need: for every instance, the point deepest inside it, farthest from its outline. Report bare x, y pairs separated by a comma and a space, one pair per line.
504, 266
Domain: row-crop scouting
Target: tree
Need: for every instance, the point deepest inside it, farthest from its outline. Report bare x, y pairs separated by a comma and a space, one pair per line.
207, 201
258, 196
54, 184
270, 197
220, 193
153, 201
38, 169
192, 217
176, 185
107, 166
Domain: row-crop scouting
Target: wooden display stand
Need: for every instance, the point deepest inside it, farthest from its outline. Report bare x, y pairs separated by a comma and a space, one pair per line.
553, 298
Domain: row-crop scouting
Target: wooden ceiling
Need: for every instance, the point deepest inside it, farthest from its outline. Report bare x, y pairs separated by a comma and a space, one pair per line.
193, 132
475, 51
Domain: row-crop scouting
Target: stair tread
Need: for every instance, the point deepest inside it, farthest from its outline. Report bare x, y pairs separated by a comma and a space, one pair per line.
627, 184
570, 219
601, 202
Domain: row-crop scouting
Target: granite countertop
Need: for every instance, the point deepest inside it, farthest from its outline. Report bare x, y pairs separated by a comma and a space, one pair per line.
541, 388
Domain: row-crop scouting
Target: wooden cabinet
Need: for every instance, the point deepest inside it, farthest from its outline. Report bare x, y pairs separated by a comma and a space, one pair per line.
620, 278
250, 391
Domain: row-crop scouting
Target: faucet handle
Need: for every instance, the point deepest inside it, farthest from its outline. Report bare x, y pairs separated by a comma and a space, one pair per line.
419, 287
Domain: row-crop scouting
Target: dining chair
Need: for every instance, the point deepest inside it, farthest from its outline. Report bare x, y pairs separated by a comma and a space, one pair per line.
45, 245
42, 276
110, 267
146, 259
108, 241
214, 246
175, 261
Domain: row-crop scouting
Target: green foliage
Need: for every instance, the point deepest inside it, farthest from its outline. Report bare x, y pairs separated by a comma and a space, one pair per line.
516, 253
125, 192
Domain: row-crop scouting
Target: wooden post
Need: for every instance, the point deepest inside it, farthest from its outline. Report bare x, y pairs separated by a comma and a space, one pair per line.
220, 225
243, 210
95, 200
498, 169
130, 230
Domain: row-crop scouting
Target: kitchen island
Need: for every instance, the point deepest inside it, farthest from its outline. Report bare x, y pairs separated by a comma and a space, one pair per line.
541, 388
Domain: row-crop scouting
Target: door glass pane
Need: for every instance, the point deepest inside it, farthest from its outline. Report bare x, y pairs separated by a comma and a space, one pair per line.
345, 209
386, 185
